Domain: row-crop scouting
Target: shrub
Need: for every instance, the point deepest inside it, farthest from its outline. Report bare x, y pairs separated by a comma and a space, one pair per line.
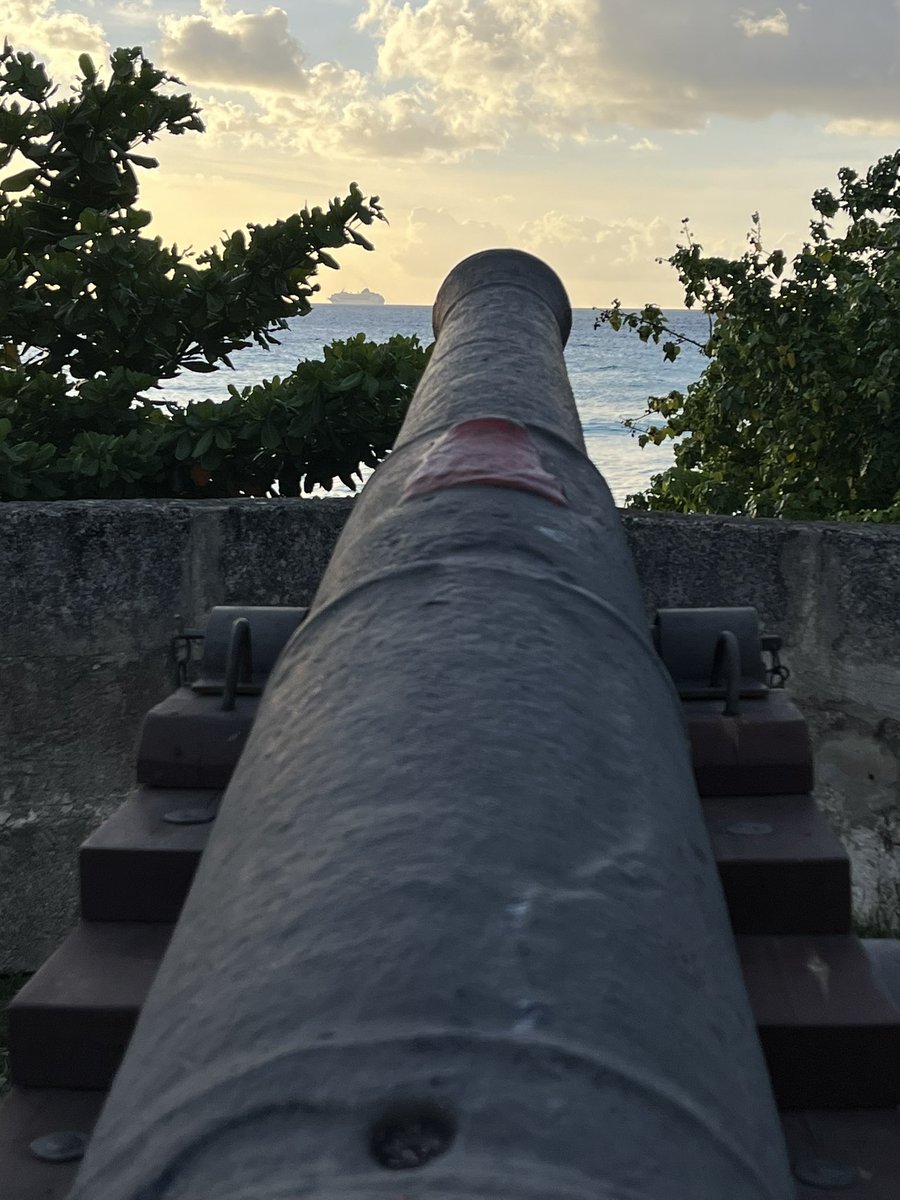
797, 413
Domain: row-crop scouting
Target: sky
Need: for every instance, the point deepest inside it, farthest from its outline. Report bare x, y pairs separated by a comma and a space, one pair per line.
583, 131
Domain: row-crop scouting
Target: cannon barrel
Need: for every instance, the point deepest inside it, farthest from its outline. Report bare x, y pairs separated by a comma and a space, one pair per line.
458, 932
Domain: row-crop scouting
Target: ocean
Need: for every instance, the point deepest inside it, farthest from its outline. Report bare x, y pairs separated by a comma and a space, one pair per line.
612, 374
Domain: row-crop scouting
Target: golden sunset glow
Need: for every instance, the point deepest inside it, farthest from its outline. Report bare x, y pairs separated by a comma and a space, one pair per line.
580, 130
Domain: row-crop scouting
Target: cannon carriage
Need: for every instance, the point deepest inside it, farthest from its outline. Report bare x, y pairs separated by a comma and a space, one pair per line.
483, 887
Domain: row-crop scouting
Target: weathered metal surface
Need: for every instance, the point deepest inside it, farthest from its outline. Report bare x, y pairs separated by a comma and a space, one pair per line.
865, 1140
688, 640
458, 915
485, 450
238, 664
65, 1146
745, 738
269, 629
194, 738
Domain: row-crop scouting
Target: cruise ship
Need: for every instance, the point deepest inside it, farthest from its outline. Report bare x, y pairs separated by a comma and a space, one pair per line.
363, 297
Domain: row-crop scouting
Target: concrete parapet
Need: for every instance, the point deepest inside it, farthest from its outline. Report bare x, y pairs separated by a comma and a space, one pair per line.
93, 592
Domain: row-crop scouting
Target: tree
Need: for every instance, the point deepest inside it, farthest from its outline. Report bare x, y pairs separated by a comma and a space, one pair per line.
94, 312
797, 413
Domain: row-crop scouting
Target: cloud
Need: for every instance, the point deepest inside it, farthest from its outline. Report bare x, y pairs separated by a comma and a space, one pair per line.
507, 65
235, 49
454, 79
860, 127
592, 255
776, 25
138, 12
435, 236
568, 69
55, 36
337, 114
581, 247
295, 106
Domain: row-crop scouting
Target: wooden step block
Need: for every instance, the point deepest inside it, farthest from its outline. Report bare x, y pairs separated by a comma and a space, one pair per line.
69, 1026
189, 741
139, 867
782, 867
764, 751
884, 955
830, 1036
30, 1113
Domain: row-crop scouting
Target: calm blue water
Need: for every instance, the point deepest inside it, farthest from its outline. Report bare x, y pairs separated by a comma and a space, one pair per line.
612, 375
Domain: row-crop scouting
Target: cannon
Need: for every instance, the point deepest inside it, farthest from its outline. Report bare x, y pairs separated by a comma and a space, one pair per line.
458, 931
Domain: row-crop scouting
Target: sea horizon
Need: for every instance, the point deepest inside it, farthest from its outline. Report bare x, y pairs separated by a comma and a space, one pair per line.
612, 375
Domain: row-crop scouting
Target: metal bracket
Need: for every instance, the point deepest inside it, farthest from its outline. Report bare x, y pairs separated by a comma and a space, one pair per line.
271, 629
726, 671
239, 663
183, 643
777, 674
689, 641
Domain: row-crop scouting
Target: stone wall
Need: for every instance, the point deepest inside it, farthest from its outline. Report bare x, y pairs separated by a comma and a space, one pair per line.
94, 591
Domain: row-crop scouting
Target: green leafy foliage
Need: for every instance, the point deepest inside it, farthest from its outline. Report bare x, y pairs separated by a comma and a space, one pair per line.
93, 312
327, 419
324, 420
797, 413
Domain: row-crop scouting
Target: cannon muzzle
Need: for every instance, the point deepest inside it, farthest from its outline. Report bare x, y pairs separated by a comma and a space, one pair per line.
458, 932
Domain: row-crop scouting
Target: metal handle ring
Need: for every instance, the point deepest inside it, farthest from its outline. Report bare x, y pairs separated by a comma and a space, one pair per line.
727, 663
238, 663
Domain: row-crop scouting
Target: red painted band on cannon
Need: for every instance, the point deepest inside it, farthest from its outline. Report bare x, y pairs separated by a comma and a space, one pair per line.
492, 451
